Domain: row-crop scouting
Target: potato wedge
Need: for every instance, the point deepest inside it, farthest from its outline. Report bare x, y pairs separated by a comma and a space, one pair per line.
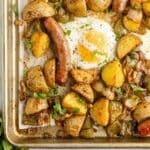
34, 105
49, 71
76, 7
73, 125
115, 110
131, 25
35, 80
40, 43
142, 111
74, 104
146, 8
37, 9
83, 76
126, 44
100, 112
118, 28
112, 74
98, 5
85, 90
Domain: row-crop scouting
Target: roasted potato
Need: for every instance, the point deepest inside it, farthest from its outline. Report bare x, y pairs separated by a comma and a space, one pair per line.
87, 133
146, 8
114, 129
144, 128
74, 104
37, 9
98, 5
98, 86
83, 76
146, 22
100, 112
73, 125
126, 44
88, 123
85, 90
40, 43
76, 7
142, 111
131, 25
115, 110
118, 28
136, 3
147, 82
49, 72
112, 74
34, 105
35, 80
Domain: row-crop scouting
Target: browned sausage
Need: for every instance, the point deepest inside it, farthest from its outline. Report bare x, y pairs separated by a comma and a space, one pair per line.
62, 49
119, 5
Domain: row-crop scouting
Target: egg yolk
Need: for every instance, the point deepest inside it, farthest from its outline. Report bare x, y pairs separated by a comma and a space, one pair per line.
97, 40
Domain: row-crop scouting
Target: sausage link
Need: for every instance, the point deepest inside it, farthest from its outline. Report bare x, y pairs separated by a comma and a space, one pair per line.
57, 34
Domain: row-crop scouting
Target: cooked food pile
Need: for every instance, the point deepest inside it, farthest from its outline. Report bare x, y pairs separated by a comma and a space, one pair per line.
96, 82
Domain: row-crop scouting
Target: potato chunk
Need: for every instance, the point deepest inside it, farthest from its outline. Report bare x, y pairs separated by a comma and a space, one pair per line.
98, 5
83, 76
142, 111
131, 25
74, 103
115, 110
35, 80
37, 9
76, 7
126, 44
73, 125
112, 74
49, 71
100, 112
34, 105
146, 8
85, 90
40, 43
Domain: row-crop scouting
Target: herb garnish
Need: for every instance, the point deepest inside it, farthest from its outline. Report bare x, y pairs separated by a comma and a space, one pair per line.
14, 10
137, 89
119, 91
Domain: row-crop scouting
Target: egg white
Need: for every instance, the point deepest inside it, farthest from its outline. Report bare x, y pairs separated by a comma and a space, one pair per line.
145, 46
74, 33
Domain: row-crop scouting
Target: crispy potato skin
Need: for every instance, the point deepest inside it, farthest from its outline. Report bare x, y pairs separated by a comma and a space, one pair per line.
115, 110
119, 5
73, 104
146, 22
126, 44
37, 9
34, 105
144, 128
146, 8
76, 7
100, 112
85, 90
35, 80
40, 43
112, 74
83, 76
49, 71
98, 5
142, 111
73, 125
131, 25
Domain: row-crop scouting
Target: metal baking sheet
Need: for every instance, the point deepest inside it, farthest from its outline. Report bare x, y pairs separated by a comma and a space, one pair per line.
12, 70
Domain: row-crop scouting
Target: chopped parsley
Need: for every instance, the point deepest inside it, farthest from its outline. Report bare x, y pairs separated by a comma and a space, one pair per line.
119, 91
97, 52
58, 110
14, 10
85, 25
118, 37
68, 32
39, 95
53, 92
80, 100
28, 44
137, 89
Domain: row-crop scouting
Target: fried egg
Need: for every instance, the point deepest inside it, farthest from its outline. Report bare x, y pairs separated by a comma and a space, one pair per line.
91, 42
145, 46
